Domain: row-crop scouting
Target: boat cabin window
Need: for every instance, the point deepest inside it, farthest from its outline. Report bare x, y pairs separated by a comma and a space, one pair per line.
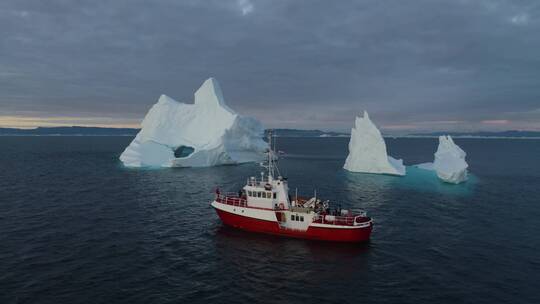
296, 217
261, 194
275, 195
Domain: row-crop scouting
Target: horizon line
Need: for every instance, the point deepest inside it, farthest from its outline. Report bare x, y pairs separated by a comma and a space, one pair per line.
131, 127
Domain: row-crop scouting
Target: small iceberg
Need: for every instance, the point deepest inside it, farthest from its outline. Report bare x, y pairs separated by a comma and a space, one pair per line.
205, 133
367, 151
449, 163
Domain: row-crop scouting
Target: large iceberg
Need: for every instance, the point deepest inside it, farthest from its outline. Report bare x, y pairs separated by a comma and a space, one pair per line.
449, 163
367, 150
205, 133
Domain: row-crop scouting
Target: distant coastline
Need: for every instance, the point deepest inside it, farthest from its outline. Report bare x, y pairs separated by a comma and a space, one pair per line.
306, 133
98, 131
483, 134
69, 131
502, 134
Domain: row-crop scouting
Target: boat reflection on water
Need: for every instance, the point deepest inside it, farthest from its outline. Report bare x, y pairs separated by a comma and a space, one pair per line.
289, 270
287, 250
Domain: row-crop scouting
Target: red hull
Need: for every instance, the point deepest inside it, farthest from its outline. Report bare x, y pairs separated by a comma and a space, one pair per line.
312, 233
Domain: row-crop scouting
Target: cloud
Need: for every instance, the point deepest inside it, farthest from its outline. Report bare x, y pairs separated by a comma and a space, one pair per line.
520, 19
299, 64
22, 14
246, 7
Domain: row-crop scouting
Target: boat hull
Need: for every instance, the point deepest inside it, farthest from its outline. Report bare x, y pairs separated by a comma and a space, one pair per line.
349, 234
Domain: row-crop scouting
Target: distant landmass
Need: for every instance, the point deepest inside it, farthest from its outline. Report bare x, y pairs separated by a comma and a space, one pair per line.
306, 133
70, 131
319, 133
97, 131
508, 134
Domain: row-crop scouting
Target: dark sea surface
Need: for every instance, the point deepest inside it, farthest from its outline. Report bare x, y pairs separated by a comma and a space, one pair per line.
78, 227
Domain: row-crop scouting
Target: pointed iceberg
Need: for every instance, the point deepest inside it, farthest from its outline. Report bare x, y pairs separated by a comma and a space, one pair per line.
205, 133
449, 164
367, 150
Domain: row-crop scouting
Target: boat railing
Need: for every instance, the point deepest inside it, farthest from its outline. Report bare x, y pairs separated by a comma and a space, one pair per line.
359, 212
231, 199
343, 220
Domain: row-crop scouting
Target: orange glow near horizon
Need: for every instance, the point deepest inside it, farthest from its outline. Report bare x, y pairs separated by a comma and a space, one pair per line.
496, 122
26, 122
31, 122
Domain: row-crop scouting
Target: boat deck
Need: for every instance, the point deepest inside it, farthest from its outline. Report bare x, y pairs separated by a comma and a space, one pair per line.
320, 218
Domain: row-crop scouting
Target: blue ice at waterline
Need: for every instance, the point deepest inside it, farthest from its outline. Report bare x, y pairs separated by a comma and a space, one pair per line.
415, 179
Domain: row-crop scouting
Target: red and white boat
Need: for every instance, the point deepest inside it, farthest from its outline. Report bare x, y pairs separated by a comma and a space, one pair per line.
265, 206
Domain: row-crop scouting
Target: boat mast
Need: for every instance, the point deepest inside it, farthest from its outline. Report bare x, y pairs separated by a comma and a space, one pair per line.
270, 158
271, 163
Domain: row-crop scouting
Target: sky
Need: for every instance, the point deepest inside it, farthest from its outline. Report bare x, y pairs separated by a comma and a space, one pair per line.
415, 66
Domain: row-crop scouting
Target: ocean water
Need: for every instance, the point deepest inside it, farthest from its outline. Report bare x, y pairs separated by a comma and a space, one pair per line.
78, 227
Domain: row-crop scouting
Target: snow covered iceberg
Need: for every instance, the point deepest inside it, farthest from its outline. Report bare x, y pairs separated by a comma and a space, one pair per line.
205, 133
367, 150
449, 163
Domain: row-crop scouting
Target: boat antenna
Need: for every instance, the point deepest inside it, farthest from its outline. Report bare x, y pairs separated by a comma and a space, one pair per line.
274, 144
270, 157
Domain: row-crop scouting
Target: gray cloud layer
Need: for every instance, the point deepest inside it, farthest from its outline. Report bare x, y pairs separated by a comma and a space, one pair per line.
413, 64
